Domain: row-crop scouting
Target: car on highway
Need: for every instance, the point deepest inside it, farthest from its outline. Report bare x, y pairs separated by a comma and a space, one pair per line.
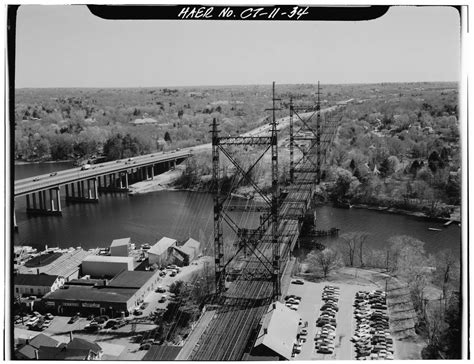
53, 174
85, 167
36, 179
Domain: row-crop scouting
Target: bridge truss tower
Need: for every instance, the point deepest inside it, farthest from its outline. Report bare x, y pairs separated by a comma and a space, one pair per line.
268, 269
311, 159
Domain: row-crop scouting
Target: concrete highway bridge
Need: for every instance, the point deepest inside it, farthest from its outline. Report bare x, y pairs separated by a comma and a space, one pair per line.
83, 185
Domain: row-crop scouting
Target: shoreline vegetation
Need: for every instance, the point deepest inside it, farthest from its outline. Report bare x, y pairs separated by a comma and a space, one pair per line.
168, 182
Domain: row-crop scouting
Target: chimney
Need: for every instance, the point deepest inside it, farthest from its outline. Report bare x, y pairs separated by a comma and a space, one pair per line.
36, 355
274, 305
265, 330
37, 271
70, 336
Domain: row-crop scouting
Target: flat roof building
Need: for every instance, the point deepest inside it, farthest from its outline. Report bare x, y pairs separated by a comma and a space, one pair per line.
98, 266
123, 293
120, 247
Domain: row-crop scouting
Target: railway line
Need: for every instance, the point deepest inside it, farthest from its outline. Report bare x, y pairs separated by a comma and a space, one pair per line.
229, 334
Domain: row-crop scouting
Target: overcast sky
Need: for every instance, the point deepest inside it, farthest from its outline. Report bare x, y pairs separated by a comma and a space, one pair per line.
67, 46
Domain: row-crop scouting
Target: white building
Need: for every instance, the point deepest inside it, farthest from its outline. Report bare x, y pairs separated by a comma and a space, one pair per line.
98, 266
278, 333
160, 253
120, 247
186, 253
36, 284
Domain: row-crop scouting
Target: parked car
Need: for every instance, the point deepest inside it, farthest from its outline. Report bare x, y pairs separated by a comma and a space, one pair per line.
160, 289
297, 281
162, 299
49, 316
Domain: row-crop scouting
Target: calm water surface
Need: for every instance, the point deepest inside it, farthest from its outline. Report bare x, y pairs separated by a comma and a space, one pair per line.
148, 217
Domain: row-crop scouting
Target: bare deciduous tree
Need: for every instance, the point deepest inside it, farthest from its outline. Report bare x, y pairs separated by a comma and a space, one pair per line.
324, 261
352, 242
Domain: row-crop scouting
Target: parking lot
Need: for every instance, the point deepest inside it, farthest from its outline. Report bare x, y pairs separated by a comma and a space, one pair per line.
309, 310
118, 343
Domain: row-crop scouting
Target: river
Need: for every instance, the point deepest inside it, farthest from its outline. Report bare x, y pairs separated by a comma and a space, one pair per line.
181, 214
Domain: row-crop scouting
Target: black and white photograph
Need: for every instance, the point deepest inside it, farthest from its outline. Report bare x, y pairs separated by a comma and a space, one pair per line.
236, 182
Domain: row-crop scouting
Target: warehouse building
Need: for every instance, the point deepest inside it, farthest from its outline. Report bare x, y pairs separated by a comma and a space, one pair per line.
120, 247
278, 333
185, 254
123, 293
100, 266
161, 252
36, 284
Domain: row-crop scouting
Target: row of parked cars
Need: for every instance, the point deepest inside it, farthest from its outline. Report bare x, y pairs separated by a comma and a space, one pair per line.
292, 302
326, 322
372, 338
34, 321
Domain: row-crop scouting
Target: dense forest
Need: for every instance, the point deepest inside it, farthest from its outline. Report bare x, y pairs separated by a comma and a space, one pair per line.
397, 145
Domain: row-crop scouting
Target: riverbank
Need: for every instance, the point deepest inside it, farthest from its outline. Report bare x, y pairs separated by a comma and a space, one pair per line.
23, 163
161, 182
455, 216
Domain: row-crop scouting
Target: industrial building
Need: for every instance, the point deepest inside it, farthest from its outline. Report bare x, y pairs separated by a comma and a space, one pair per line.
278, 333
100, 266
36, 284
120, 247
161, 252
185, 254
123, 293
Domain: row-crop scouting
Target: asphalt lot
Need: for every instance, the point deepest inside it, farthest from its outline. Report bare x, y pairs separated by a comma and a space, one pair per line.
309, 310
117, 344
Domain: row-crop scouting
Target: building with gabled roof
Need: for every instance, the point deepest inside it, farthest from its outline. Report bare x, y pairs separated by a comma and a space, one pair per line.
36, 284
186, 253
278, 332
161, 251
29, 350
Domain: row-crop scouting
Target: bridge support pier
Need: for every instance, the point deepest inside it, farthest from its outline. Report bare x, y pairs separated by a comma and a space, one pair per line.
85, 193
116, 183
46, 206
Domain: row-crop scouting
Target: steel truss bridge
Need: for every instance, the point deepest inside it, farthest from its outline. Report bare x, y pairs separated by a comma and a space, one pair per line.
235, 324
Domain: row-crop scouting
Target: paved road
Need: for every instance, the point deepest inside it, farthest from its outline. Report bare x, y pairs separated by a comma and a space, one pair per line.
26, 185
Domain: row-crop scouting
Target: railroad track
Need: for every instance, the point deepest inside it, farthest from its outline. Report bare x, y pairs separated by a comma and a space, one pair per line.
246, 301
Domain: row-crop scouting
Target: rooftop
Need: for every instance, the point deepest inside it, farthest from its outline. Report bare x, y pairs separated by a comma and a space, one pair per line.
64, 266
108, 259
92, 294
34, 280
62, 353
279, 330
191, 243
162, 245
43, 340
131, 279
120, 242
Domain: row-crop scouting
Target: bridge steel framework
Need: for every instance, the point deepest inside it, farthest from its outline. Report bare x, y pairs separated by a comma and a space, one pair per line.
247, 238
235, 324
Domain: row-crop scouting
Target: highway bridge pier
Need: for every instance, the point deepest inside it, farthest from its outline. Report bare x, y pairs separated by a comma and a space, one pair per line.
85, 191
45, 202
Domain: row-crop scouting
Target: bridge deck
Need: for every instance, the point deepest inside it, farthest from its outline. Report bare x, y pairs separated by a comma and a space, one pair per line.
229, 334
43, 182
